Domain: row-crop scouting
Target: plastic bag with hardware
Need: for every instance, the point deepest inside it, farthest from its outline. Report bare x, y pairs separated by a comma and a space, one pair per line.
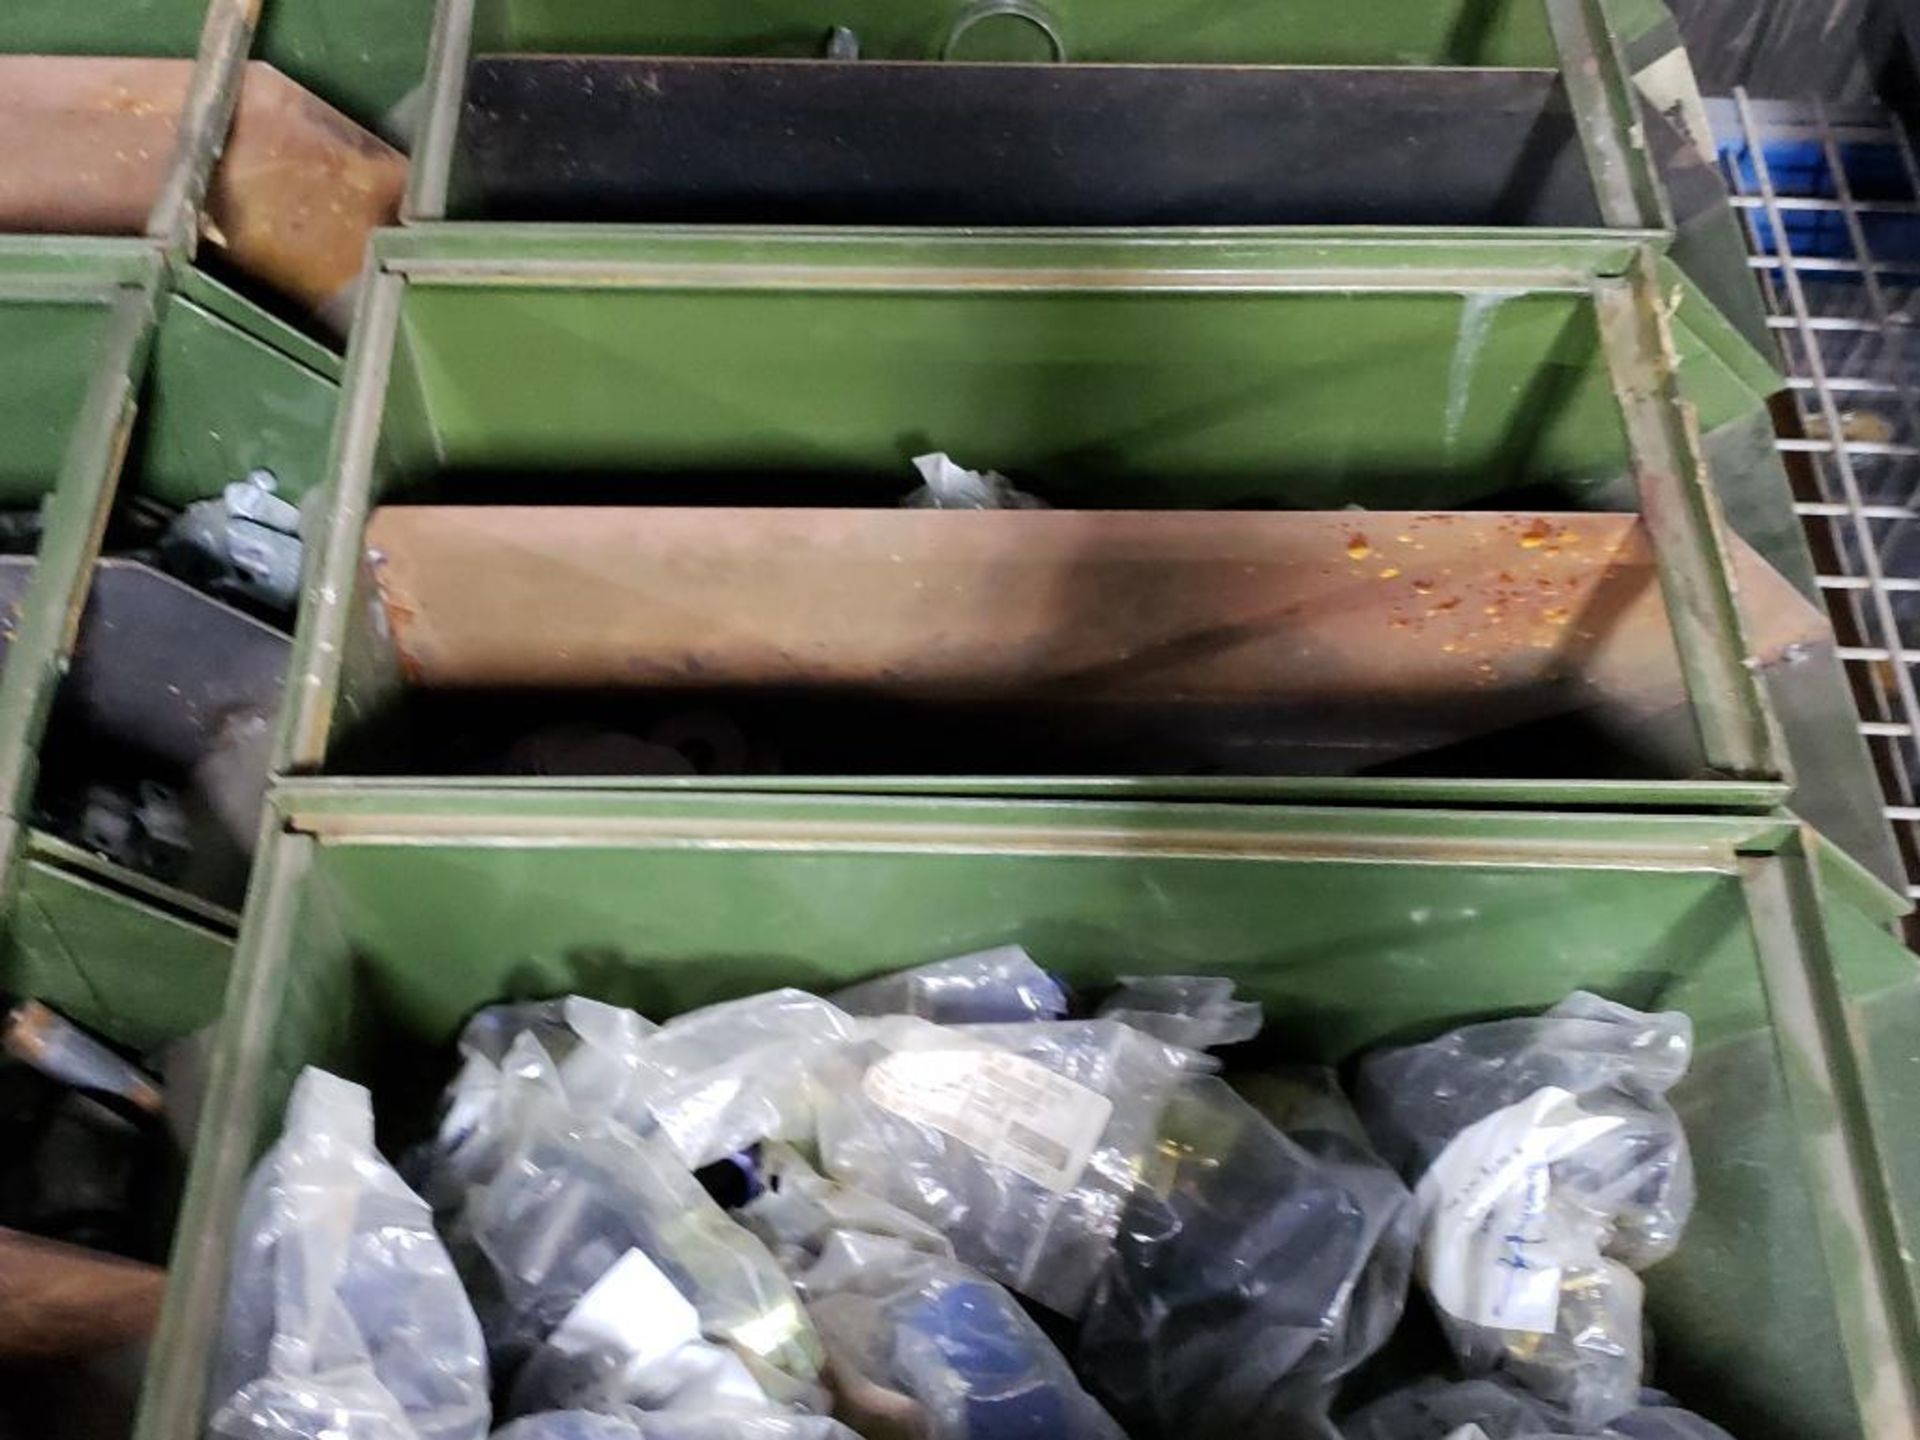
713, 1081
799, 1210
1197, 1011
344, 1313
1548, 1167
1436, 1409
948, 485
994, 987
593, 1047
1021, 1143
1252, 1270
630, 1424
920, 1343
572, 1199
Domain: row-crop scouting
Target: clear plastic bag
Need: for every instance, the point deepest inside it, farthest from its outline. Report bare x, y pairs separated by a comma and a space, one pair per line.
1436, 1409
1021, 1143
920, 1343
994, 987
948, 485
728, 1076
799, 1211
592, 1047
344, 1314
571, 1197
1550, 1167
627, 1424
713, 1081
1253, 1269
1197, 1011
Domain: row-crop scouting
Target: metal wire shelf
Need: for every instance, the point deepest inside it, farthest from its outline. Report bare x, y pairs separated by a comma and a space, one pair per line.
1830, 202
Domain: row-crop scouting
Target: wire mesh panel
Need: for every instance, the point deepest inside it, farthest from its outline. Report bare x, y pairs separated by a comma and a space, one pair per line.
1831, 204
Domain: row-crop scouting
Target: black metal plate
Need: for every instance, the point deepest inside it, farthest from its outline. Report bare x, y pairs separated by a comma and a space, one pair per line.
159, 668
895, 143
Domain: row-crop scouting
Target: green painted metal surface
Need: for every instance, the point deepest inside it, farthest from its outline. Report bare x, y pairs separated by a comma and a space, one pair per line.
134, 970
1391, 402
367, 945
109, 27
362, 56
113, 385
227, 395
1291, 369
1112, 386
47, 349
1311, 32
110, 287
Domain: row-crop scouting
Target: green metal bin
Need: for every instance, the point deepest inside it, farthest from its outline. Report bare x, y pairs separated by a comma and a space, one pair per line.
1515, 114
135, 391
381, 919
723, 381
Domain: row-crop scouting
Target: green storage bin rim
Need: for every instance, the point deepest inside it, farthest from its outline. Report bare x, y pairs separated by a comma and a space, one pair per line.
220, 299
689, 256
1769, 857
468, 251
1539, 806
78, 267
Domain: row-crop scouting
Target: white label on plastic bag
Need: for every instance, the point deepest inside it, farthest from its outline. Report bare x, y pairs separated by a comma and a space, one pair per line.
1013, 1110
633, 1310
1485, 1251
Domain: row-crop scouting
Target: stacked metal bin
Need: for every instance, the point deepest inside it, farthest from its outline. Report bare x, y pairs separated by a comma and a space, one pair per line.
1383, 646
165, 308
214, 211
135, 391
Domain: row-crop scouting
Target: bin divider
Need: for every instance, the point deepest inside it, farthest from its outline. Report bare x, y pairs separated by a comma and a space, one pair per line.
333, 552
174, 1395
448, 56
76, 521
1821, 1064
225, 42
1606, 112
1737, 730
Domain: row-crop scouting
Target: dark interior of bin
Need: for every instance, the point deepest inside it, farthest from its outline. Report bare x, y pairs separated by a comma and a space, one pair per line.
755, 141
681, 111
393, 944
1274, 401
175, 682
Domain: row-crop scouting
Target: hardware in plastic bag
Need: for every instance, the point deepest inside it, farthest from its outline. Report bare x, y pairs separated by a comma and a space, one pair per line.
800, 1210
572, 1195
1549, 1167
1197, 1011
713, 1082
921, 1340
1435, 1409
630, 1424
1252, 1270
1019, 1142
344, 1314
951, 486
994, 987
594, 1048
720, 1079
